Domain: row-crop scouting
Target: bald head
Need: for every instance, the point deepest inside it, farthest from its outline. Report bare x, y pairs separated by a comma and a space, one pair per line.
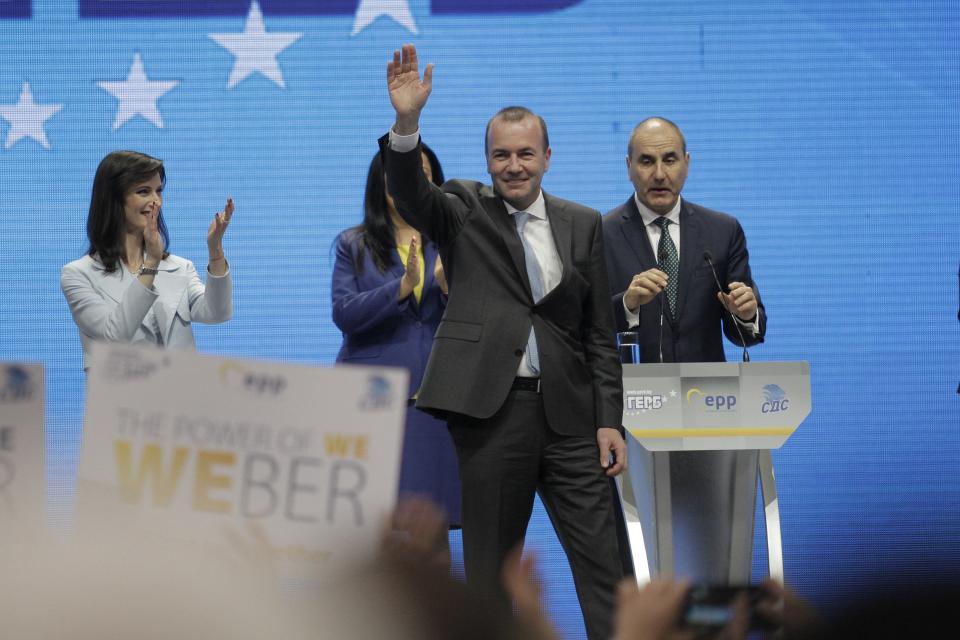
655, 124
657, 162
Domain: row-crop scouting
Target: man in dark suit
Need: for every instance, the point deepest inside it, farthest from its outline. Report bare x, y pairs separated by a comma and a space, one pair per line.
639, 255
523, 364
663, 289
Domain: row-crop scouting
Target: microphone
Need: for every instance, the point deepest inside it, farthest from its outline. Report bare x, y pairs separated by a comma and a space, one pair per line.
661, 258
708, 258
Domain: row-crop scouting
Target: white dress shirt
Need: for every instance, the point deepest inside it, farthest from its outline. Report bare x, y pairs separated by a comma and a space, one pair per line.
653, 235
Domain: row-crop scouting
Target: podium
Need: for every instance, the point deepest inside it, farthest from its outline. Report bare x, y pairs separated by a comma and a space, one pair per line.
698, 436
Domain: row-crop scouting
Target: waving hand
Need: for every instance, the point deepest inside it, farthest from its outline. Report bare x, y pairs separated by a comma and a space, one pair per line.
408, 91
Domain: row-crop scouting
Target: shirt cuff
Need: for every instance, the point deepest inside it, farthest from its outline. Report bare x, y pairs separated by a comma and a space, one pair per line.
210, 274
633, 317
753, 327
402, 144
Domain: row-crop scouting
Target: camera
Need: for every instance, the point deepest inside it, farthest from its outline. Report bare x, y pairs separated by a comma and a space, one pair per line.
709, 607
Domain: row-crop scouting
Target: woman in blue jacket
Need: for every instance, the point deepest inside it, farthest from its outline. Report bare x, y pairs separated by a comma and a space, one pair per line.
389, 293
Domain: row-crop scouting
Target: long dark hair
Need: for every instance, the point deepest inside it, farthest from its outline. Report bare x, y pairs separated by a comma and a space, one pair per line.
376, 233
117, 173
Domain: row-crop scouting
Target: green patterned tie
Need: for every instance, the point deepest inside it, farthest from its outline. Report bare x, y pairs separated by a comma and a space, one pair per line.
668, 262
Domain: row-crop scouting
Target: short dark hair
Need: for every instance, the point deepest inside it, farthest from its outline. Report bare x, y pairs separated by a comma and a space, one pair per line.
515, 114
669, 123
117, 173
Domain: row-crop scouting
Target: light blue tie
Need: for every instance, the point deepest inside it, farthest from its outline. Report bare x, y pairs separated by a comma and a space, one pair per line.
536, 286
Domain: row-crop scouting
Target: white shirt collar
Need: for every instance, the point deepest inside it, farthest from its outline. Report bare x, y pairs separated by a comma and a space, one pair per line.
538, 209
649, 216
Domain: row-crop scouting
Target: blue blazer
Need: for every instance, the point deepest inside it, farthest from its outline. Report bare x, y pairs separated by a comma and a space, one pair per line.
377, 329
695, 335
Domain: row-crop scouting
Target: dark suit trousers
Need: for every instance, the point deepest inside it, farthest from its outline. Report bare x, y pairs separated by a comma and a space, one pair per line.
507, 458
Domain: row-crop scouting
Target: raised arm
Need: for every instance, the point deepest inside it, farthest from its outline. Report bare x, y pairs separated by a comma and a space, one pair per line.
408, 91
424, 206
217, 265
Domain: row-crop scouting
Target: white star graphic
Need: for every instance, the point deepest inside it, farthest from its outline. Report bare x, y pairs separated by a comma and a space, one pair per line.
26, 118
255, 49
370, 10
673, 393
137, 95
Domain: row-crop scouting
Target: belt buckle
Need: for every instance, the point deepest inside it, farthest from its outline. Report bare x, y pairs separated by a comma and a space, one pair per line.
538, 384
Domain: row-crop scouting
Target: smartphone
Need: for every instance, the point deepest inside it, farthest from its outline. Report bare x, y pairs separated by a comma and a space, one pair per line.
709, 606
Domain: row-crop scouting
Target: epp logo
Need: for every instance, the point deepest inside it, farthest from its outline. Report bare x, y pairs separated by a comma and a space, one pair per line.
713, 402
775, 399
124, 367
644, 403
378, 394
235, 375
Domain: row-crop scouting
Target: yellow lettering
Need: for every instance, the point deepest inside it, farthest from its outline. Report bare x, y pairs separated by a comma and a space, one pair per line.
336, 445
151, 466
360, 449
339, 446
207, 481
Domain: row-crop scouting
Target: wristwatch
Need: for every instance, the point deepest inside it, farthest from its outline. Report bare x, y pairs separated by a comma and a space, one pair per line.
147, 271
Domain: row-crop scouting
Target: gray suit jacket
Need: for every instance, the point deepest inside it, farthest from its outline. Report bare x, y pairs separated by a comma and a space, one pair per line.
483, 333
113, 307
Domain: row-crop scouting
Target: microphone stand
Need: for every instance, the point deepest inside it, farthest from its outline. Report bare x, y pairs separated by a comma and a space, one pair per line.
743, 343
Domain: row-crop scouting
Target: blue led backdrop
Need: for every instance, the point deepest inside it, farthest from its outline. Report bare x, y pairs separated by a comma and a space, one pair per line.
830, 129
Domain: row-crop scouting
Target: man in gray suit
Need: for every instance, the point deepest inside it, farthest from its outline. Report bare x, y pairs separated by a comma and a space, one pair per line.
523, 364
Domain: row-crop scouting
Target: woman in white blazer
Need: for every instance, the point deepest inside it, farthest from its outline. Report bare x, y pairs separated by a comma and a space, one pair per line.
128, 287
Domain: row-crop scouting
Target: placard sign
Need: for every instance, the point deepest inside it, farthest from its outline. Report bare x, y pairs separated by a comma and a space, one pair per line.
206, 446
22, 474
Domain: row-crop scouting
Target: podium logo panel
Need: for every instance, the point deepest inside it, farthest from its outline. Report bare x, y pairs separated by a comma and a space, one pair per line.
711, 402
775, 399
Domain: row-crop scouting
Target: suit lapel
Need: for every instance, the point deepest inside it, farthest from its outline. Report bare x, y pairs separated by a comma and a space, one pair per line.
394, 268
689, 258
560, 227
635, 233
507, 228
171, 284
113, 285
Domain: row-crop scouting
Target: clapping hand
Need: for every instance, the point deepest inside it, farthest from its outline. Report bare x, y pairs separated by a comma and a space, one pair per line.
218, 227
440, 277
218, 261
411, 274
153, 240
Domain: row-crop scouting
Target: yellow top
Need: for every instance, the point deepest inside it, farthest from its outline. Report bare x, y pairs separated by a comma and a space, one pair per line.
404, 252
